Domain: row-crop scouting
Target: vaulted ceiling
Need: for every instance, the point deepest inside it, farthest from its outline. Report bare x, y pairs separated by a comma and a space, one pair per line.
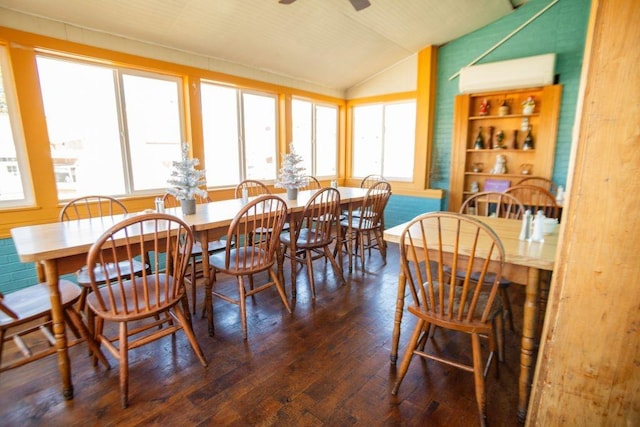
324, 42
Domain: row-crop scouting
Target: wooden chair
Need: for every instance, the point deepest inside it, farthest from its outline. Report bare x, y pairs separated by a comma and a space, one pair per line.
500, 205
539, 181
535, 198
151, 300
195, 272
473, 307
369, 220
253, 187
244, 257
370, 180
95, 207
313, 235
312, 183
28, 311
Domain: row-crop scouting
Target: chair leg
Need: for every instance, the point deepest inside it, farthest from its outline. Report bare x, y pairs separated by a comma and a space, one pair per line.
334, 263
478, 378
280, 288
193, 283
504, 294
408, 354
124, 365
243, 306
309, 261
186, 327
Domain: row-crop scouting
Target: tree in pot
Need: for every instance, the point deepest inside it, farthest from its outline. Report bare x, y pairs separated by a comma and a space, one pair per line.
186, 180
292, 174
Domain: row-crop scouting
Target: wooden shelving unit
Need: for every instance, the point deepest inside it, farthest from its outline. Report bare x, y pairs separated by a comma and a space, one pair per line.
468, 121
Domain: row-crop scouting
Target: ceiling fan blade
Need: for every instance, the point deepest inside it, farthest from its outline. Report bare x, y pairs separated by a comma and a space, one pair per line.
286, 1
358, 5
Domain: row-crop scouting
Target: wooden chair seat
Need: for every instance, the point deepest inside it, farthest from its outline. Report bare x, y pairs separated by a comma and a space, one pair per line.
28, 311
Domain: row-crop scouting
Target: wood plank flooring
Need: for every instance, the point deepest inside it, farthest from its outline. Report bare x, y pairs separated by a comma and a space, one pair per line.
327, 364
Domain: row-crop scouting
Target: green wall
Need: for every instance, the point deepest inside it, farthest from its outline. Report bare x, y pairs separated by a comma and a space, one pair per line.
560, 30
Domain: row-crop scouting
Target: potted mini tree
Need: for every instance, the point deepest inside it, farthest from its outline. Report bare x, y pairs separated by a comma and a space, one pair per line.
186, 181
292, 175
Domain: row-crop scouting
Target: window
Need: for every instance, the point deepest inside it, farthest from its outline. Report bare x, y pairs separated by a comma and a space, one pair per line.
384, 140
112, 131
239, 135
15, 186
315, 136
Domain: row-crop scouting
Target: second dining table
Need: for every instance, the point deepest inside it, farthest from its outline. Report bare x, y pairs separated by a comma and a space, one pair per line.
524, 261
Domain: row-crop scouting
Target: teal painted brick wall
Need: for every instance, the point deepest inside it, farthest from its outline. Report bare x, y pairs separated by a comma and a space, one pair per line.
13, 273
560, 30
404, 208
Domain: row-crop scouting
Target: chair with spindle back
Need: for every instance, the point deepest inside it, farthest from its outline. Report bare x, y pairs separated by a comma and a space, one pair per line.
539, 181
473, 307
312, 183
246, 257
95, 207
313, 234
138, 304
195, 272
499, 205
536, 198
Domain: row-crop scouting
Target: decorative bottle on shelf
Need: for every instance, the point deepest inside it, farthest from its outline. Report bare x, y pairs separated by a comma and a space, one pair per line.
528, 141
514, 142
504, 108
479, 142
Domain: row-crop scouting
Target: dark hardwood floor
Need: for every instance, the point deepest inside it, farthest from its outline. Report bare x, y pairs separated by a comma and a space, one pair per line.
325, 364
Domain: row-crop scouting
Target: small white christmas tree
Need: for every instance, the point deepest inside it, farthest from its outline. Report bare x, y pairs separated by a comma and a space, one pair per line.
292, 175
185, 178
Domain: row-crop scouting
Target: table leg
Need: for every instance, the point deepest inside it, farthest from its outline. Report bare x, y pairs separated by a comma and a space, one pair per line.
528, 347
57, 317
350, 234
293, 248
402, 283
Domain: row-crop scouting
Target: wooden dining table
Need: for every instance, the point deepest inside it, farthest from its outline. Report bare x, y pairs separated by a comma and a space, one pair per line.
61, 248
524, 262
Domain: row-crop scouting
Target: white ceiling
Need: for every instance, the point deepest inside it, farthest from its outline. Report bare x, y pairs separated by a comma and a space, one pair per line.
323, 42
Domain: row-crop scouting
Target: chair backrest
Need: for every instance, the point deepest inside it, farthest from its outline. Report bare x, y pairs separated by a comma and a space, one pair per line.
254, 188
535, 198
91, 207
539, 181
492, 203
244, 254
320, 215
370, 180
440, 242
375, 200
156, 289
312, 183
170, 200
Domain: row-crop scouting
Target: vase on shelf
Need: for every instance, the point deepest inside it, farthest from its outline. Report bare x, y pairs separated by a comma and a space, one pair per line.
188, 206
479, 142
504, 109
292, 193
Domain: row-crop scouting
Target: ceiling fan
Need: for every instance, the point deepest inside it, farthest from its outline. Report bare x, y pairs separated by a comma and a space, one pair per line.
358, 5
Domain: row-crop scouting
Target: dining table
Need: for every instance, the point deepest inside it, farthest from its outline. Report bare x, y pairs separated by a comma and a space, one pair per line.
60, 248
524, 262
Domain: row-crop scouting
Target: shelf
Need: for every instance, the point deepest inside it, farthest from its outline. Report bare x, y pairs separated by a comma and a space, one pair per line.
508, 116
500, 150
498, 175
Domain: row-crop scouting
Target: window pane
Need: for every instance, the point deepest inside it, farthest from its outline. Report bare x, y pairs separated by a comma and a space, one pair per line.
367, 140
14, 173
326, 141
82, 120
303, 131
259, 136
399, 140
220, 127
153, 125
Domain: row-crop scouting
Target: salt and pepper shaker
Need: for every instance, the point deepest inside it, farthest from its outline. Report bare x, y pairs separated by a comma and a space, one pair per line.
538, 227
334, 183
560, 195
525, 231
245, 195
159, 205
